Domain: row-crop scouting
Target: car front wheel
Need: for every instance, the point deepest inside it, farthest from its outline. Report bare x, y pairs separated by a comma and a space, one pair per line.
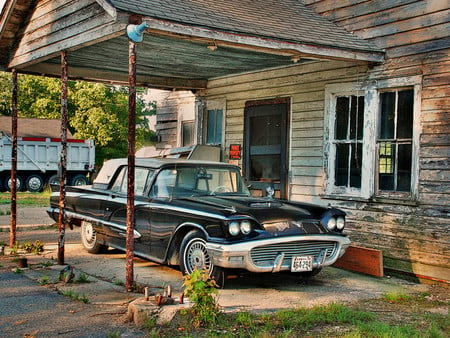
194, 255
89, 238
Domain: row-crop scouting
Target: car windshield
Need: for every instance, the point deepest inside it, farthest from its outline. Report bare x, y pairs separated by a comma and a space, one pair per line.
193, 181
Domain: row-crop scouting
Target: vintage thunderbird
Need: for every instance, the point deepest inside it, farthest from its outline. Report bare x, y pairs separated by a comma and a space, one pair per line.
200, 214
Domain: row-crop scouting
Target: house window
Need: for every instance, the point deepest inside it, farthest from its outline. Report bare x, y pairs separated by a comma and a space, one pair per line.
395, 140
188, 133
371, 142
214, 120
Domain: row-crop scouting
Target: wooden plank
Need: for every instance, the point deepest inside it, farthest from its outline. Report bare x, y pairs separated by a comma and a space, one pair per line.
360, 259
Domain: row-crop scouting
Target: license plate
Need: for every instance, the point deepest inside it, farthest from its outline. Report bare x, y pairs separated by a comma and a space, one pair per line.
302, 263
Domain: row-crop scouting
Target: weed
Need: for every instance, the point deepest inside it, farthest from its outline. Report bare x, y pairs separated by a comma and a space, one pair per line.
76, 296
202, 290
397, 297
14, 249
46, 264
117, 282
44, 280
27, 246
115, 334
82, 278
18, 271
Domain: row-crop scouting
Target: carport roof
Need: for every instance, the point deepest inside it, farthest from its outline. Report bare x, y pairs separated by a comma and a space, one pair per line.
187, 42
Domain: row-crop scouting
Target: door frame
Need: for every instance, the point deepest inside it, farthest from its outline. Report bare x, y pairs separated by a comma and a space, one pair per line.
281, 188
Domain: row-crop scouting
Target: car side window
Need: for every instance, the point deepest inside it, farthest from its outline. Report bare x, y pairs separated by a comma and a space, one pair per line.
164, 184
120, 180
141, 177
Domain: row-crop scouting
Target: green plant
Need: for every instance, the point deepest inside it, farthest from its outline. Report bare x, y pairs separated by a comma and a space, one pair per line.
397, 297
46, 264
201, 289
76, 296
44, 280
14, 249
117, 282
17, 270
38, 247
82, 278
28, 246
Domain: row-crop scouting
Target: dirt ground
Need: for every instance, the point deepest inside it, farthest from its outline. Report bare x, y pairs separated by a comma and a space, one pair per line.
244, 292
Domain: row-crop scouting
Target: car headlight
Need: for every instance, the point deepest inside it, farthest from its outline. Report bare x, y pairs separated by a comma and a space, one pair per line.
340, 223
238, 227
246, 227
331, 224
234, 228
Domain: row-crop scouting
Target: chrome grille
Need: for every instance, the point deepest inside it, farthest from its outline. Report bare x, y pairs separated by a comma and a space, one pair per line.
265, 255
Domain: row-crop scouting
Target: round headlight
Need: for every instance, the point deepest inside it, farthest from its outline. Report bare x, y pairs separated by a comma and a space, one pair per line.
331, 224
234, 228
246, 227
340, 223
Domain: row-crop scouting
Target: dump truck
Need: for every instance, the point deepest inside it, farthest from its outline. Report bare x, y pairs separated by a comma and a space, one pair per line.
39, 155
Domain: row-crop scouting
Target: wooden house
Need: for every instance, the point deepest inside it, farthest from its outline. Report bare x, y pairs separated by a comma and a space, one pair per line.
334, 102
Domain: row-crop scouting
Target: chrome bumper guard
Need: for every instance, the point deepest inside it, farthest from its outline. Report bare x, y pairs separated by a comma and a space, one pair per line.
275, 254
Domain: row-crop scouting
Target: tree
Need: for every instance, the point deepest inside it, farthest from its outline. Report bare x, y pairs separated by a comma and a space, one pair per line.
96, 111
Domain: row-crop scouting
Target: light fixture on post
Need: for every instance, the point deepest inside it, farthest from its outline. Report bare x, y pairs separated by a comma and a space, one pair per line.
136, 32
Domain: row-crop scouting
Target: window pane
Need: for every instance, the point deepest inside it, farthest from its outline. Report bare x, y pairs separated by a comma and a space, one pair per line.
355, 166
342, 107
266, 130
357, 117
341, 174
405, 114
387, 166
218, 132
387, 115
265, 167
404, 167
188, 133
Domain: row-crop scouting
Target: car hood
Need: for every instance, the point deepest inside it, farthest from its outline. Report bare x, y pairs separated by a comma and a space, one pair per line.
263, 210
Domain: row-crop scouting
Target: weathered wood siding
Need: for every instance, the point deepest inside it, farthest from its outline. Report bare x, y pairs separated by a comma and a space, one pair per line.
414, 237
60, 25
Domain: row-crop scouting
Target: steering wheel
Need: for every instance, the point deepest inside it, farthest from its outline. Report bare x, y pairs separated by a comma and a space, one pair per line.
221, 188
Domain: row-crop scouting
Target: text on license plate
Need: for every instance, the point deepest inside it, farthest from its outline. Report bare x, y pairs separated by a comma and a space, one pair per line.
302, 263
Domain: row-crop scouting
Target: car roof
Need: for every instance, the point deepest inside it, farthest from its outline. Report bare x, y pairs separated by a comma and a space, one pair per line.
110, 166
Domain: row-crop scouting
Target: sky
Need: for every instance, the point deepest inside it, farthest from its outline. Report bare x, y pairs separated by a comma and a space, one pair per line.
2, 2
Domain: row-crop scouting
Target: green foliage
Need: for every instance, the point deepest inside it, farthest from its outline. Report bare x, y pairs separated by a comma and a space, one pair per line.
96, 111
44, 280
37, 247
82, 278
201, 289
397, 297
76, 296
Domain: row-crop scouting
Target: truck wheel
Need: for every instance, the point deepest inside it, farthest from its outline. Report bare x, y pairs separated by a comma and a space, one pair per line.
89, 239
193, 255
79, 180
52, 180
34, 183
8, 183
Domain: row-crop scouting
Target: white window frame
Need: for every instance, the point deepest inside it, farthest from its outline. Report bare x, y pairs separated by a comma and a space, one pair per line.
371, 91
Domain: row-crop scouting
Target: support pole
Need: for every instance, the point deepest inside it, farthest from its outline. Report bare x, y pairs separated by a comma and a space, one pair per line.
63, 159
12, 234
131, 164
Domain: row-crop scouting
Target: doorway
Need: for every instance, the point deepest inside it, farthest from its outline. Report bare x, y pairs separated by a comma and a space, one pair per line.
265, 145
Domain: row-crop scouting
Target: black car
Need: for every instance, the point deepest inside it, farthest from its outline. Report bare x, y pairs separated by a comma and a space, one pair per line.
199, 214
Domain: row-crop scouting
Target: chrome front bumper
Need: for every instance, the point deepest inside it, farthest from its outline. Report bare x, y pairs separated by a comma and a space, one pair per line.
275, 254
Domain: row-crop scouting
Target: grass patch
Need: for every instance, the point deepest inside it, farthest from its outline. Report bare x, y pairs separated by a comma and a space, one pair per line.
76, 296
37, 199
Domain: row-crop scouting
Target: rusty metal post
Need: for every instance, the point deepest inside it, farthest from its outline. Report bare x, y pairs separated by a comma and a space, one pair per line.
12, 234
63, 159
131, 164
